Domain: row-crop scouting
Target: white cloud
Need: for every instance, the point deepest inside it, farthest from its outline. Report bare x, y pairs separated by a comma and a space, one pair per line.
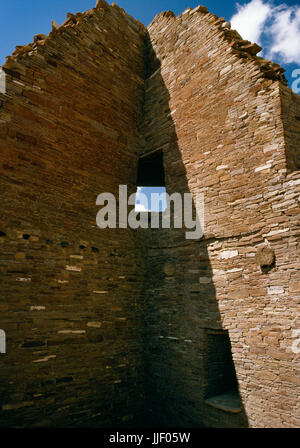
150, 199
278, 27
285, 31
250, 19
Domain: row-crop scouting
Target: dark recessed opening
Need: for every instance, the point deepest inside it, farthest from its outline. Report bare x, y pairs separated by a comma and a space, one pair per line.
221, 375
151, 171
66, 379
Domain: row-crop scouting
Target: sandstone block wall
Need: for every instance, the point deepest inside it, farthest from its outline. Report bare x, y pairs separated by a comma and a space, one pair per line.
219, 117
70, 293
98, 332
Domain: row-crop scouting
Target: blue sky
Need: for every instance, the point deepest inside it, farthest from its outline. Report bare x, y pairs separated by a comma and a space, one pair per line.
275, 24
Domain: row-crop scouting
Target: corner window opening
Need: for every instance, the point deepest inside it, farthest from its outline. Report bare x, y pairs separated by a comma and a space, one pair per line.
151, 189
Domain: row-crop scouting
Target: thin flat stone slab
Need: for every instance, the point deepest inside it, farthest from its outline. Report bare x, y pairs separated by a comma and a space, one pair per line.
229, 402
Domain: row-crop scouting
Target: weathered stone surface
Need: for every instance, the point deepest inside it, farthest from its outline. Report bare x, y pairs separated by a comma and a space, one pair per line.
265, 256
229, 138
169, 268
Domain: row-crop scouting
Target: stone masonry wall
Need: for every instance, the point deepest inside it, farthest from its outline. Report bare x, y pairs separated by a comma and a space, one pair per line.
70, 293
217, 111
115, 327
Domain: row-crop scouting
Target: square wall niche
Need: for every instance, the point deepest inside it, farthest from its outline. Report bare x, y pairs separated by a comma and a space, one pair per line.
221, 380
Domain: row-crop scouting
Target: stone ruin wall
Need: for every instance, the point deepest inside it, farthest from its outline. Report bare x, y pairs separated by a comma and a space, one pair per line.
228, 117
227, 125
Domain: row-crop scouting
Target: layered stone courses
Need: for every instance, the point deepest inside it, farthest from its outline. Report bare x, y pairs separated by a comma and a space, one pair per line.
99, 333
70, 292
